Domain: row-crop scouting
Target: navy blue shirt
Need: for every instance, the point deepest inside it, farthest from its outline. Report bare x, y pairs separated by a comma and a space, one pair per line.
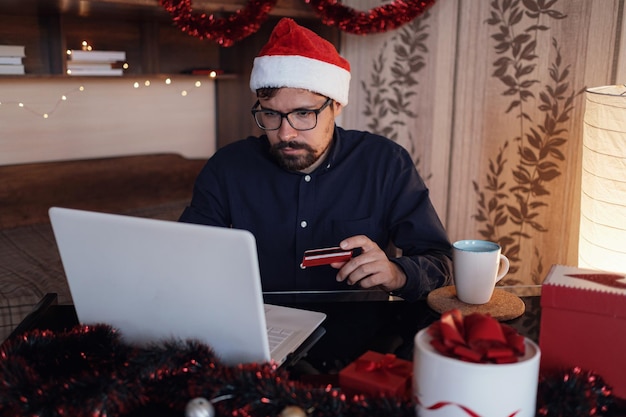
367, 185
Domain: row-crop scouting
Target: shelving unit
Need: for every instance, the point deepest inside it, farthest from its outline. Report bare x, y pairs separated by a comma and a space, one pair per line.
153, 44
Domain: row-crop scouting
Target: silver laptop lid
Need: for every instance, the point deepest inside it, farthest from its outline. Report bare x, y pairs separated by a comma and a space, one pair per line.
155, 279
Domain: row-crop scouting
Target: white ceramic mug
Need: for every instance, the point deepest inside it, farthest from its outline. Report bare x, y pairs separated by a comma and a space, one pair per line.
449, 387
478, 266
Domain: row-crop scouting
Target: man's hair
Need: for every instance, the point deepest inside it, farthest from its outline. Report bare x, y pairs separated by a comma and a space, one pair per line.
267, 92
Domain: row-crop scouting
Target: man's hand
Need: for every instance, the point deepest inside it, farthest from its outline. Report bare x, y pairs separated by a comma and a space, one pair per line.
371, 268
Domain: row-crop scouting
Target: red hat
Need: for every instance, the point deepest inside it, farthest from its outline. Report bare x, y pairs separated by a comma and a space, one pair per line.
296, 57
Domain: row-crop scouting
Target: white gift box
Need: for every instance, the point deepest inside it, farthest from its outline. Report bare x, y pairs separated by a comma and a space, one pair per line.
449, 387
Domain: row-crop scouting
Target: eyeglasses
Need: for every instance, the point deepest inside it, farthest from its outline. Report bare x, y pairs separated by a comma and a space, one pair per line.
300, 119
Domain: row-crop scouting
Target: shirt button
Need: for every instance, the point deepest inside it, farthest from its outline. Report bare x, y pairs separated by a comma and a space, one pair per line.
307, 178
303, 224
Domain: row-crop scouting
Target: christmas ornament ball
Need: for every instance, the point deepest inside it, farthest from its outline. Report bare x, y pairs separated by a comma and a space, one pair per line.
199, 407
292, 411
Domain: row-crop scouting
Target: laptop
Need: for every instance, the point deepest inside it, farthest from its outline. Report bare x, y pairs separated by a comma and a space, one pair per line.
154, 280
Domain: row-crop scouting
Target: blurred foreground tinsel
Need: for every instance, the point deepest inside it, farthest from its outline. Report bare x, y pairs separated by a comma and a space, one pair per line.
89, 371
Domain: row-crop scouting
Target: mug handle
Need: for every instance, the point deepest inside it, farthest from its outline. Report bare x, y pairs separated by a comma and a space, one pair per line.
504, 267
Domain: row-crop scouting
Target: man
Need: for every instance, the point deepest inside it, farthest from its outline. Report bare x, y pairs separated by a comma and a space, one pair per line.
309, 184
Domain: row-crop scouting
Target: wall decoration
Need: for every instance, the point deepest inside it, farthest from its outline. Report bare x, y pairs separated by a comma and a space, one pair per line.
496, 118
51, 108
511, 212
390, 102
376, 20
224, 31
93, 117
243, 23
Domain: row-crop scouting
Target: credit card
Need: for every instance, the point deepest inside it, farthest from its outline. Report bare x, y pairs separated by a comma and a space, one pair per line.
325, 256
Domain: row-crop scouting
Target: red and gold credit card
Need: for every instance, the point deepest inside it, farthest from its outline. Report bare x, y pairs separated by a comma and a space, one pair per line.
325, 256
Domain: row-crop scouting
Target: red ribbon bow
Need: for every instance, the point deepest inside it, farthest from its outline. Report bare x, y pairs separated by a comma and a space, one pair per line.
387, 363
610, 280
476, 338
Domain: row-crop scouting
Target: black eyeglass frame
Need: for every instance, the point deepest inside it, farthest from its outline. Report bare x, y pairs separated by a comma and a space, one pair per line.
254, 111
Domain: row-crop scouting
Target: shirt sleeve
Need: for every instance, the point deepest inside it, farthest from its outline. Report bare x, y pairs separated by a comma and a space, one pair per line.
416, 229
208, 202
424, 273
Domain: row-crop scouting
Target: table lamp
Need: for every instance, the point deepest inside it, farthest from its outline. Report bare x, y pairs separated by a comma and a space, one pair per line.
602, 238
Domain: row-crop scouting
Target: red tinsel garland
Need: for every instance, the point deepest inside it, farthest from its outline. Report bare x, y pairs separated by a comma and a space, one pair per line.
88, 371
246, 21
225, 31
377, 20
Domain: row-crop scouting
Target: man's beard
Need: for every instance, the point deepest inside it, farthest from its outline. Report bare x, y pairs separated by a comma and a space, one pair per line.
294, 162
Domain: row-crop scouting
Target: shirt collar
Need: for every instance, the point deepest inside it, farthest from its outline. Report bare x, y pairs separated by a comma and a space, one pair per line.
333, 154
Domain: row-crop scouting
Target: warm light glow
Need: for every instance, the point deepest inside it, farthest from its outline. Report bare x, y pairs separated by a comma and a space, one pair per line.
125, 65
52, 109
602, 239
213, 74
47, 113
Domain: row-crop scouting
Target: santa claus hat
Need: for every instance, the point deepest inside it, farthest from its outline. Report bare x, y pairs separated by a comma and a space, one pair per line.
296, 57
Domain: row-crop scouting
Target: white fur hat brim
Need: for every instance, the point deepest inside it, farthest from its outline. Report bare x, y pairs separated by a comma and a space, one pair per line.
294, 71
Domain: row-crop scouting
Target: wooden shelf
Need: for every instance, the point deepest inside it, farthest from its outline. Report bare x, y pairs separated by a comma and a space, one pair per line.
153, 44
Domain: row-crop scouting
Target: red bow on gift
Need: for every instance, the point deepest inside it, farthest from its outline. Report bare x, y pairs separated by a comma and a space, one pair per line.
476, 338
387, 363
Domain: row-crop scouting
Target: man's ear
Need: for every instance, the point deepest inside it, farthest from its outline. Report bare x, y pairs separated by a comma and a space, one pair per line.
337, 108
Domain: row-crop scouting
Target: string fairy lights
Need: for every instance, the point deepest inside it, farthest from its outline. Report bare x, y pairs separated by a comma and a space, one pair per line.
27, 104
53, 107
44, 114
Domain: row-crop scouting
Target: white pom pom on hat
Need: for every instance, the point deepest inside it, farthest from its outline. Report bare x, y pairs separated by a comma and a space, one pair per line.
297, 57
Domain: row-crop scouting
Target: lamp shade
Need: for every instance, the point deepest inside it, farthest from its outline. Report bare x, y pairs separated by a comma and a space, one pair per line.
602, 239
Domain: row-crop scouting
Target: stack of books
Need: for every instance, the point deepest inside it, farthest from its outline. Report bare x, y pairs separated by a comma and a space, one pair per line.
11, 59
99, 63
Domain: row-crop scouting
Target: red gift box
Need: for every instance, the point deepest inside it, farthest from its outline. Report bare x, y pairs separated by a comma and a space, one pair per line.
377, 374
583, 323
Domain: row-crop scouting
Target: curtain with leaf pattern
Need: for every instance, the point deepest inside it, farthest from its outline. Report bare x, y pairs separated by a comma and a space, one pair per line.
488, 98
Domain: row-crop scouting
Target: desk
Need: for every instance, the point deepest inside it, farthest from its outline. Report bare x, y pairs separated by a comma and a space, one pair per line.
169, 385
400, 321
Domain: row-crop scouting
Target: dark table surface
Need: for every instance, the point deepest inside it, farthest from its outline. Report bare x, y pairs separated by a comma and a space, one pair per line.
402, 319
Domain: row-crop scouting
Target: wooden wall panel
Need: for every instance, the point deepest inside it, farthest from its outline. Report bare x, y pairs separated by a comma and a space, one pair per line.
401, 88
514, 143
109, 118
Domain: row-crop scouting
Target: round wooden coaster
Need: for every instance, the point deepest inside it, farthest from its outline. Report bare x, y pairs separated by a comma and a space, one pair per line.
502, 306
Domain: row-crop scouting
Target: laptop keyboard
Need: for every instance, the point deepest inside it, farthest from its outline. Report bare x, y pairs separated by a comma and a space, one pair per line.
276, 336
